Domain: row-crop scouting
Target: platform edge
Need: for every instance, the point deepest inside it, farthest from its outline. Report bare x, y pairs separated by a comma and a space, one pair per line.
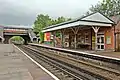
44, 69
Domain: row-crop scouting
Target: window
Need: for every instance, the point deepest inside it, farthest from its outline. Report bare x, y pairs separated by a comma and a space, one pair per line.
86, 38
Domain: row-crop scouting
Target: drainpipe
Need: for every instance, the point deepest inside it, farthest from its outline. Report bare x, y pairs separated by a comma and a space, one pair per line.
114, 39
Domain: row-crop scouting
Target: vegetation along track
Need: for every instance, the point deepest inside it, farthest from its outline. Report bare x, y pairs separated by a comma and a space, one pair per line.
71, 67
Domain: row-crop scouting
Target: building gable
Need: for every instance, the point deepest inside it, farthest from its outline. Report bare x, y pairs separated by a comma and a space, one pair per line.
97, 17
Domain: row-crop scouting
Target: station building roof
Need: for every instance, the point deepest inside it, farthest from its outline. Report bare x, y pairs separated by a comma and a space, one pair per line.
94, 19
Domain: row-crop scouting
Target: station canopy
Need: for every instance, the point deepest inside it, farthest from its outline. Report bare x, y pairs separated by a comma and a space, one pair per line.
94, 19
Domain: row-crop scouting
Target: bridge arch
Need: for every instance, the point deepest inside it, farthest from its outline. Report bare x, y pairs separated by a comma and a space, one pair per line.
1, 39
8, 37
16, 40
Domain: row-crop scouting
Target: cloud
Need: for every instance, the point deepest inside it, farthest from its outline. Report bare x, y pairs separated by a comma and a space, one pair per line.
25, 11
16, 20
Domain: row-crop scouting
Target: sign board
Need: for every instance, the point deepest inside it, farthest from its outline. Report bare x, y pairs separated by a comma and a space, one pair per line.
47, 36
108, 39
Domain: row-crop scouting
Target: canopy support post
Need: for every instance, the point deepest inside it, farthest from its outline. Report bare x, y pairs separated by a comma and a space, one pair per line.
75, 30
91, 38
54, 38
62, 36
96, 31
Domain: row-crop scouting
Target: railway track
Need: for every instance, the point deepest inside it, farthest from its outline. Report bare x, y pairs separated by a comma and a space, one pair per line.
99, 60
53, 66
67, 68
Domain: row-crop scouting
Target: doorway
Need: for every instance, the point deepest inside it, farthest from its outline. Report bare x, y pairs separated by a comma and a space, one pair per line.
100, 42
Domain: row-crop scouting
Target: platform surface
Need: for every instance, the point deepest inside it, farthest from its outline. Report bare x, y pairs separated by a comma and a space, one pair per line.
14, 65
110, 54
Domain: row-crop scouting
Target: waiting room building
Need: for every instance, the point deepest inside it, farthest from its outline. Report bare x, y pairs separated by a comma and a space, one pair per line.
91, 32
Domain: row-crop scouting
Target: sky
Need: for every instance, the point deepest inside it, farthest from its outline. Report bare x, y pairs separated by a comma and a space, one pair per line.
24, 12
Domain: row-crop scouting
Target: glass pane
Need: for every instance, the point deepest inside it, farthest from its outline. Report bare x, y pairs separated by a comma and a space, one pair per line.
98, 46
102, 39
102, 46
98, 40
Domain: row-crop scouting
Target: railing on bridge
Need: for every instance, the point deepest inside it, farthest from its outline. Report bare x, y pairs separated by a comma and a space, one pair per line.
32, 35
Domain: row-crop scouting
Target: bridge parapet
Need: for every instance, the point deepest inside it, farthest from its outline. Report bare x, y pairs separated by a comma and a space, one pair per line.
6, 32
21, 31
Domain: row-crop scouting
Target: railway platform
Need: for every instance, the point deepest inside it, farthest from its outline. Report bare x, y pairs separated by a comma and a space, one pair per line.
14, 65
110, 54
105, 67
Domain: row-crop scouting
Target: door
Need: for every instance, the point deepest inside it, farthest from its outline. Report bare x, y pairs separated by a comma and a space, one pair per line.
100, 42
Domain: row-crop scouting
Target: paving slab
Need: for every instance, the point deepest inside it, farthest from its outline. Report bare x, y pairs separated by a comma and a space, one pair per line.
14, 65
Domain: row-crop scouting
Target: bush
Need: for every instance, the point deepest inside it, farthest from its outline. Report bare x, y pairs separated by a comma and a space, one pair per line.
17, 40
41, 37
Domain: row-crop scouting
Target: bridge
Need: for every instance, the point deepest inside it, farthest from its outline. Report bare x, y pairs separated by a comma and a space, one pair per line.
7, 32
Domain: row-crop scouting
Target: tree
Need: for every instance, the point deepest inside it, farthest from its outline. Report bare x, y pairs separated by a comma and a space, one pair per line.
17, 40
43, 21
41, 37
60, 20
107, 7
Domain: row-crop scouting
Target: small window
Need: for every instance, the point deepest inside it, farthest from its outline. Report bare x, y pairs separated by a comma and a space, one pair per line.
102, 46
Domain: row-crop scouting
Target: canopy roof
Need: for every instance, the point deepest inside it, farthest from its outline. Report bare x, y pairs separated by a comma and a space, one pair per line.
94, 19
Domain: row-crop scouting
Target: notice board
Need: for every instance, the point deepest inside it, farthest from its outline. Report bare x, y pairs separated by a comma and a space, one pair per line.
108, 39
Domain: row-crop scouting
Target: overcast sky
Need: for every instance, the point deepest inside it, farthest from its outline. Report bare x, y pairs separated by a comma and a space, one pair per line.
24, 12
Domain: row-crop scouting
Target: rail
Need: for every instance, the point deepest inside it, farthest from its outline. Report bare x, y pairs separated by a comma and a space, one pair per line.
51, 64
76, 67
83, 54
